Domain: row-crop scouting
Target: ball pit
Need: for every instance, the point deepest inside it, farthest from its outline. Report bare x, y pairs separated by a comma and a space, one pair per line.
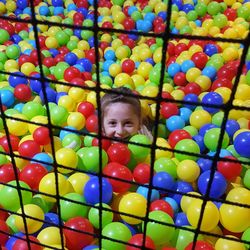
79, 191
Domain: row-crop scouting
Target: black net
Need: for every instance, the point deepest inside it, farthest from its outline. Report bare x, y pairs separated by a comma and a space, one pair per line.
124, 124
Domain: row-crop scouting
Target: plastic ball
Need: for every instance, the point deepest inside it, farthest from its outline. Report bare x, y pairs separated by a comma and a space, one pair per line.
94, 213
200, 245
41, 135
212, 98
218, 186
241, 144
86, 108
137, 240
163, 181
92, 194
160, 233
169, 109
188, 170
141, 173
17, 128
135, 204
21, 244
115, 231
189, 146
199, 118
78, 181
119, 153
162, 206
175, 122
50, 236
193, 215
33, 225
223, 244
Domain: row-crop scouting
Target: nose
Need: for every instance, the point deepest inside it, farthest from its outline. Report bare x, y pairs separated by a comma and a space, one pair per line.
120, 129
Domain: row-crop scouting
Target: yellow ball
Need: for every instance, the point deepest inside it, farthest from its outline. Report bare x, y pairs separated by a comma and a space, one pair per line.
167, 87
192, 74
57, 145
91, 97
27, 68
240, 195
2, 8
226, 244
37, 119
106, 38
138, 80
18, 128
33, 224
77, 94
160, 7
187, 200
211, 211
121, 52
10, 65
51, 236
230, 54
144, 69
178, 94
83, 45
225, 93
76, 120
10, 5
134, 204
51, 42
20, 163
67, 102
243, 122
229, 2
145, 53
62, 88
199, 118
26, 138
78, 181
150, 91
204, 82
159, 153
213, 31
123, 78
47, 186
119, 17
115, 69
66, 157
79, 53
230, 33
157, 56
181, 22
188, 170
243, 92
116, 43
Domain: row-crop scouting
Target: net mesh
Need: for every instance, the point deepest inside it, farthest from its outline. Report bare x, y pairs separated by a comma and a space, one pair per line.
69, 219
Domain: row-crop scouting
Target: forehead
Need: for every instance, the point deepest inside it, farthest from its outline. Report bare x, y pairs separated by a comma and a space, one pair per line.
121, 109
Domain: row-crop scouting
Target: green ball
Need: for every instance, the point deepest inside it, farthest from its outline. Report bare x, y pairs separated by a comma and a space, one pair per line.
192, 15
39, 201
153, 47
115, 231
186, 145
71, 45
23, 34
59, 70
218, 118
9, 197
139, 152
32, 109
186, 30
159, 233
106, 80
11, 223
68, 21
88, 23
211, 139
213, 8
73, 206
232, 150
220, 21
45, 70
167, 165
201, 9
90, 158
59, 115
191, 130
243, 12
118, 2
13, 51
72, 140
62, 38
147, 9
246, 237
3, 159
246, 179
136, 15
4, 36
87, 140
248, 77
86, 34
94, 214
3, 58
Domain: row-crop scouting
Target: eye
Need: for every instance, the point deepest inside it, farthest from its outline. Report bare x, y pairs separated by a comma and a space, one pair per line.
129, 123
112, 123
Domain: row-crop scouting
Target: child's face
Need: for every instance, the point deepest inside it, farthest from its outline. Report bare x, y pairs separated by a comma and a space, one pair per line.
120, 120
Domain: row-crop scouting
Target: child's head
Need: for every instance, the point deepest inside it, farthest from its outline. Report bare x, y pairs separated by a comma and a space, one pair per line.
121, 114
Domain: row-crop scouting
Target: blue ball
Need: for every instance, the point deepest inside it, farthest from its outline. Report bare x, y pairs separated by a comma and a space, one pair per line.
173, 69
150, 60
163, 15
11, 241
44, 10
185, 113
172, 203
44, 159
155, 195
36, 84
16, 38
203, 130
183, 187
175, 122
204, 164
65, 132
212, 98
83, 11
209, 71
181, 219
19, 107
7, 97
210, 49
218, 187
200, 141
110, 55
164, 181
187, 7
85, 63
71, 7
51, 95
51, 219
91, 41
107, 64
242, 144
231, 127
19, 79
92, 193
186, 65
70, 58
22, 4
53, 52
146, 26
191, 98
58, 10
149, 16
91, 247
132, 9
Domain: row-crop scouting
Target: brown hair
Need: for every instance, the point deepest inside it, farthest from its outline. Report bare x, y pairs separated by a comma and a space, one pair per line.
122, 95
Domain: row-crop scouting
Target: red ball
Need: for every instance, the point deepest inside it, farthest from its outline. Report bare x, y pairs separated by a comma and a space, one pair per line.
129, 42
3, 214
70, 73
151, 41
107, 24
178, 135
48, 62
160, 28
29, 148
63, 50
200, 59
179, 48
92, 123
7, 173
42, 40
171, 49
141, 173
128, 23
78, 17
59, 58
32, 175
180, 79
137, 240
41, 136
119, 152
86, 108
231, 14
14, 141
23, 59
221, 82
4, 236
21, 26
78, 81
192, 88
105, 143
161, 205
22, 92
158, 20
23, 245
128, 66
86, 76
120, 172
230, 170
90, 54
200, 245
78, 240
169, 109
82, 4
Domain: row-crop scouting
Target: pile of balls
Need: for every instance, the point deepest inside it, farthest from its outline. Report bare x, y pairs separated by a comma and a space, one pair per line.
84, 197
